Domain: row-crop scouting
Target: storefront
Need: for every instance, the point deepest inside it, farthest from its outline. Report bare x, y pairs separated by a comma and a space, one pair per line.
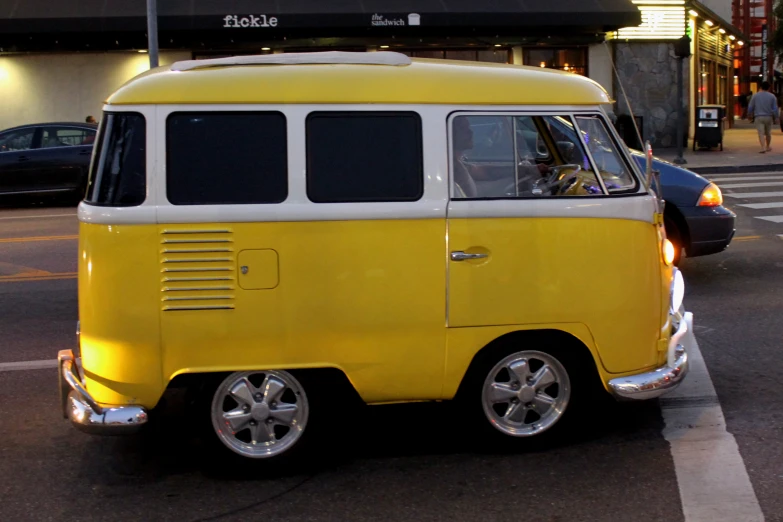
60, 59
647, 65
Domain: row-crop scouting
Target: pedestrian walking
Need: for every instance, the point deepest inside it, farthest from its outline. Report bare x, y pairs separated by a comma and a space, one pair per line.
763, 111
90, 119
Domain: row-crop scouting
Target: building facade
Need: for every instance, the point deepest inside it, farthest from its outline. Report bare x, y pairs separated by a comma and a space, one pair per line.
754, 62
647, 66
60, 60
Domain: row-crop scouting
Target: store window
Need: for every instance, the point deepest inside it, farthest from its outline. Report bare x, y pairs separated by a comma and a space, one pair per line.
723, 85
494, 55
573, 59
704, 82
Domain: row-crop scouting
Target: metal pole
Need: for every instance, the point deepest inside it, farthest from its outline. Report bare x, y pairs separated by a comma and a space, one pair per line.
680, 119
152, 32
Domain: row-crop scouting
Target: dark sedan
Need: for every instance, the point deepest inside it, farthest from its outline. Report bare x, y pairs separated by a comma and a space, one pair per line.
696, 220
46, 159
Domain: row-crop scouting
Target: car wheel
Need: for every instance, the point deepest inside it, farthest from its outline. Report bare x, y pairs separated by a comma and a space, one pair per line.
260, 414
526, 393
674, 235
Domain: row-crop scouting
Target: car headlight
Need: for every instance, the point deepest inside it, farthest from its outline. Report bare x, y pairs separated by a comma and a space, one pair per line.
711, 196
676, 291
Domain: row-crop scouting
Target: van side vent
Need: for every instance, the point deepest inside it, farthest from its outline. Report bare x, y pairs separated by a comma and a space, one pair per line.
197, 269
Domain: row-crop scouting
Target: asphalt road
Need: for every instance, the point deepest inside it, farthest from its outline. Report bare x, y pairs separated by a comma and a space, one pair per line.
404, 462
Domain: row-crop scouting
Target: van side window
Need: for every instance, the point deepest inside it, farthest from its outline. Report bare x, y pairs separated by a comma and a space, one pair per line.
506, 156
118, 176
614, 171
364, 157
215, 158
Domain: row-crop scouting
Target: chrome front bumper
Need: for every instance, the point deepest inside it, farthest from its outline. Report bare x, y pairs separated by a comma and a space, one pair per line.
653, 384
86, 414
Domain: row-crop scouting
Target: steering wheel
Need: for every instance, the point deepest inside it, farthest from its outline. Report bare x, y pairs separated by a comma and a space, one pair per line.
556, 182
552, 181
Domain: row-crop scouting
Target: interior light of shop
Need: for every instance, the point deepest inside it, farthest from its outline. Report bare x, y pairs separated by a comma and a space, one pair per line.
498, 45
732, 37
384, 47
266, 48
709, 22
740, 43
722, 30
694, 13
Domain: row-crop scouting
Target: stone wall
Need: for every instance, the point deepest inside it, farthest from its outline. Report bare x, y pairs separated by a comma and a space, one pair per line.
648, 72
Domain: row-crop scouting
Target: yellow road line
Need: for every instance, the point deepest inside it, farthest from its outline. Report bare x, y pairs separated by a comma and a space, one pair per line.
746, 238
50, 277
39, 238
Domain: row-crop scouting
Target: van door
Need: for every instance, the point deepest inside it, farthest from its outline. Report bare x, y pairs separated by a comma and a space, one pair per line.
539, 239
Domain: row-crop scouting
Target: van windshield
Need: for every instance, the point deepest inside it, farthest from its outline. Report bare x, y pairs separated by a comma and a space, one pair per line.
118, 170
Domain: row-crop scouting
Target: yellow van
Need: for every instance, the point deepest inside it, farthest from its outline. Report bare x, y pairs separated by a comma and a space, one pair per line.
269, 228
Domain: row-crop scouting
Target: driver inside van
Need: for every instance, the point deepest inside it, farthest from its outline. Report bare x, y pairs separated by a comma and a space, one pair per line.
465, 176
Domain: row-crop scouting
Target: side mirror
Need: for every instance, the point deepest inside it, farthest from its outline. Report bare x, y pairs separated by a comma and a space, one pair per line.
648, 171
653, 177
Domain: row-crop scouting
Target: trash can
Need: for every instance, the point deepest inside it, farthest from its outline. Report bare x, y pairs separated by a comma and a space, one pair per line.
709, 126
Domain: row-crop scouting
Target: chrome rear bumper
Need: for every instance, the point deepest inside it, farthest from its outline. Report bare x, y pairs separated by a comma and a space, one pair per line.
85, 413
653, 384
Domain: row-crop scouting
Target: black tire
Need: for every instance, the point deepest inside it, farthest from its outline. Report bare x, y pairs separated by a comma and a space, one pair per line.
585, 386
674, 234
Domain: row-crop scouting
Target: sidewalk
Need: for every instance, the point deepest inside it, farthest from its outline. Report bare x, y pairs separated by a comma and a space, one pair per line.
740, 152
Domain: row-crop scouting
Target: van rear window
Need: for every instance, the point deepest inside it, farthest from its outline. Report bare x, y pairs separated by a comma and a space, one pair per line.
228, 158
118, 176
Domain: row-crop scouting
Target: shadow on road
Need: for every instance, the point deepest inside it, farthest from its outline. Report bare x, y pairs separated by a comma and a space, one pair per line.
400, 434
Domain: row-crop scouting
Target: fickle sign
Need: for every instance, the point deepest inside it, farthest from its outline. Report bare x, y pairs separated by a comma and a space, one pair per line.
235, 21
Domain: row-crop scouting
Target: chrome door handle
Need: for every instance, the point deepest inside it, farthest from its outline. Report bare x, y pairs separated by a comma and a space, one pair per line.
459, 255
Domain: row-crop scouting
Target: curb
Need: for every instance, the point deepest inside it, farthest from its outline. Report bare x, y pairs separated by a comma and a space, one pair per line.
735, 169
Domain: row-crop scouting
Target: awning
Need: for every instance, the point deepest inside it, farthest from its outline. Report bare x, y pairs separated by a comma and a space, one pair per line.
317, 17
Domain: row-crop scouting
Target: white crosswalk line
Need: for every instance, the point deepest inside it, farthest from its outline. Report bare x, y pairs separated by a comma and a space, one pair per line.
751, 185
741, 174
754, 194
711, 475
746, 178
774, 219
759, 206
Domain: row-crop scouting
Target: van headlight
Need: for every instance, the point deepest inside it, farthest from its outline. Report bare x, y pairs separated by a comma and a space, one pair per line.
676, 291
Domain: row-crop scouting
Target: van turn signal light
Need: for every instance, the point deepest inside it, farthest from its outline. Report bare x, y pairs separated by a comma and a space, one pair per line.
667, 249
711, 196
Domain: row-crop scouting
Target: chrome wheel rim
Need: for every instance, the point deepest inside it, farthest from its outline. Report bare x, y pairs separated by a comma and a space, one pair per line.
259, 414
526, 393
